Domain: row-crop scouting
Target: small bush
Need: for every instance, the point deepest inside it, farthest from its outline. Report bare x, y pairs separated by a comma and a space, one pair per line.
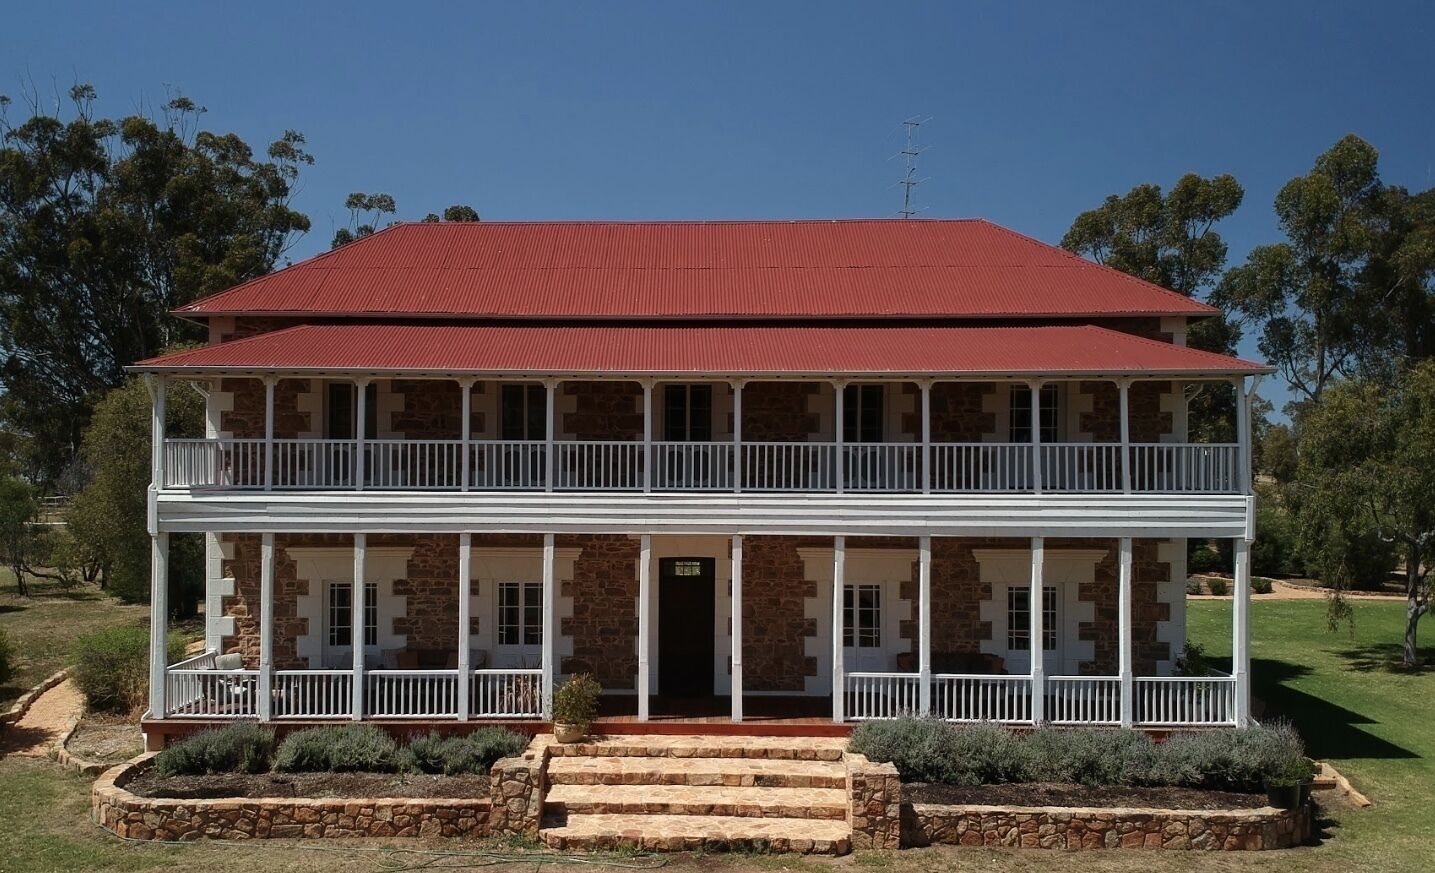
7, 654
1192, 661
112, 668
1193, 585
470, 753
338, 749
1227, 760
576, 701
1218, 586
1204, 559
236, 748
1261, 585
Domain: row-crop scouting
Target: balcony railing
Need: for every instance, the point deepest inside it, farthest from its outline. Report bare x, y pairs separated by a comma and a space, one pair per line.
439, 465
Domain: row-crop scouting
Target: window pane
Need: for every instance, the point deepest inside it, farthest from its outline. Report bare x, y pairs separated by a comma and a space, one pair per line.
511, 414
700, 413
371, 614
339, 603
537, 417
1018, 619
675, 413
339, 422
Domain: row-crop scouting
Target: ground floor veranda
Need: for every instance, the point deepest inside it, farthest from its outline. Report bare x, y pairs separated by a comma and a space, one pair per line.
739, 631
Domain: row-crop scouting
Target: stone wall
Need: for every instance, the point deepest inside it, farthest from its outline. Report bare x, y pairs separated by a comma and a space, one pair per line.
245, 417
957, 413
604, 624
603, 410
775, 626
1149, 422
874, 803
142, 818
432, 410
780, 412
1104, 828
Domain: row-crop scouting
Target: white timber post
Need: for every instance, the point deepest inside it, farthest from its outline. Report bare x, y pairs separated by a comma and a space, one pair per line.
269, 383
1123, 632
156, 385
1037, 632
839, 391
266, 626
924, 622
737, 628
839, 672
1243, 437
645, 586
550, 464
737, 435
356, 626
926, 387
466, 433
550, 642
647, 435
465, 620
1241, 632
1123, 395
361, 415
158, 623
1036, 465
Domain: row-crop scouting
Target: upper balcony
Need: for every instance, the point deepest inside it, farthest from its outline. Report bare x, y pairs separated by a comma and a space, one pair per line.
755, 436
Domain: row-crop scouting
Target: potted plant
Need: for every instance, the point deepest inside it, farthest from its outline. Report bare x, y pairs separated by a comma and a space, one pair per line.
1289, 787
575, 704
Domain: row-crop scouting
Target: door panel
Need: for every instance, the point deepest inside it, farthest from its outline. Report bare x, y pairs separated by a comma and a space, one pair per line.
686, 616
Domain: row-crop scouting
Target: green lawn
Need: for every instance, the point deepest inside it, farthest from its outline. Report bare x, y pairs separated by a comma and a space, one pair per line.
43, 628
1377, 726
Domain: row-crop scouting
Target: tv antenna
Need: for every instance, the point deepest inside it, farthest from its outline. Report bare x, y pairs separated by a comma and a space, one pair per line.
909, 160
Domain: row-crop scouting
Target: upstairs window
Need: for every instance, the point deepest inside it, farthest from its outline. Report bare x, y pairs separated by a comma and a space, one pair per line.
1021, 413
862, 413
342, 404
688, 413
523, 412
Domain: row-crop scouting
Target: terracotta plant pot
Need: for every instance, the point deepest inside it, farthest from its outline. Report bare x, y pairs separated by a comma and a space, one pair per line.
569, 733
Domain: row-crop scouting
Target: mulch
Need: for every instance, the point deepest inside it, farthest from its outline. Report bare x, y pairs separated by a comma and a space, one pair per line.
316, 785
1045, 794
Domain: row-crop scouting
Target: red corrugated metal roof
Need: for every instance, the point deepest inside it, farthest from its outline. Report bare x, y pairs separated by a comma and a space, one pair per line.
704, 350
747, 269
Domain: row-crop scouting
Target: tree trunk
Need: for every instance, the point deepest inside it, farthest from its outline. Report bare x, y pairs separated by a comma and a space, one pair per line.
1414, 607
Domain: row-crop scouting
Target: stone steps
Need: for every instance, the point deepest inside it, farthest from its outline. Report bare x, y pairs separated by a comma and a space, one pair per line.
680, 746
730, 772
679, 833
796, 803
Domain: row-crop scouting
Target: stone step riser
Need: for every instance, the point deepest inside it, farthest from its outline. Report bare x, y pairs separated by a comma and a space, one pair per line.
625, 750
755, 845
699, 779
740, 810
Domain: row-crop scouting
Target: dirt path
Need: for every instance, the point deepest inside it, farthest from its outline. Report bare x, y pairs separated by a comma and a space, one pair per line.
1286, 591
49, 716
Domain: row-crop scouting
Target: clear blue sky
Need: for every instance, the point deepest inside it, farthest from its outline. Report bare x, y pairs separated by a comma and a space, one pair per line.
764, 110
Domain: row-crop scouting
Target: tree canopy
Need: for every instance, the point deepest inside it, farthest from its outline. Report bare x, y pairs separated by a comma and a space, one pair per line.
367, 210
105, 226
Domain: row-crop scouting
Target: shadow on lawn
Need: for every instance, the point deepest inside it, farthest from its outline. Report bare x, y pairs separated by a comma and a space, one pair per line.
1386, 656
1327, 728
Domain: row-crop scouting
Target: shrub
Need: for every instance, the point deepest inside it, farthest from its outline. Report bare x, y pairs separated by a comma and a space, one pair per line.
1193, 585
1204, 559
471, 753
1218, 586
112, 668
1261, 585
576, 701
1227, 760
1274, 551
928, 750
1090, 757
1192, 660
7, 670
338, 749
235, 748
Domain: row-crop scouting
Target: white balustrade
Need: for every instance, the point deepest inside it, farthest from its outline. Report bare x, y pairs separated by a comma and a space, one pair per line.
202, 463
981, 697
505, 694
505, 464
1083, 700
1184, 701
599, 465
883, 466
981, 467
196, 688
433, 465
882, 695
1084, 467
770, 466
693, 466
411, 693
313, 693
1185, 468
310, 463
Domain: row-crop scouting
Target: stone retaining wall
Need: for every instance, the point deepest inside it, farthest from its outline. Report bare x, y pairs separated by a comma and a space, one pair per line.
1104, 828
150, 818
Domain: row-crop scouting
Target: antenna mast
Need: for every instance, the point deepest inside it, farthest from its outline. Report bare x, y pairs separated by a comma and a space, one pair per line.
909, 158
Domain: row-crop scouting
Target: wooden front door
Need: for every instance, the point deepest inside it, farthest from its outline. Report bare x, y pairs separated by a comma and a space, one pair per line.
686, 615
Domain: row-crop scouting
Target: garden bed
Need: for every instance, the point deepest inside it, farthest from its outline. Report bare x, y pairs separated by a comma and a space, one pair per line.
105, 740
314, 785
1047, 794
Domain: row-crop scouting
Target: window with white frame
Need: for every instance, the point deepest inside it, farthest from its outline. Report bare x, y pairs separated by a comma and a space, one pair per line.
341, 613
520, 613
1018, 619
1021, 413
862, 616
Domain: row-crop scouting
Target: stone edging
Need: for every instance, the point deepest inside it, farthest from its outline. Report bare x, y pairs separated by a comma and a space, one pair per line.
152, 818
69, 760
25, 701
1104, 827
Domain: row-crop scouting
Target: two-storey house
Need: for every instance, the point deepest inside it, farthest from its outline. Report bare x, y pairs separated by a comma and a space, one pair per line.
760, 475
